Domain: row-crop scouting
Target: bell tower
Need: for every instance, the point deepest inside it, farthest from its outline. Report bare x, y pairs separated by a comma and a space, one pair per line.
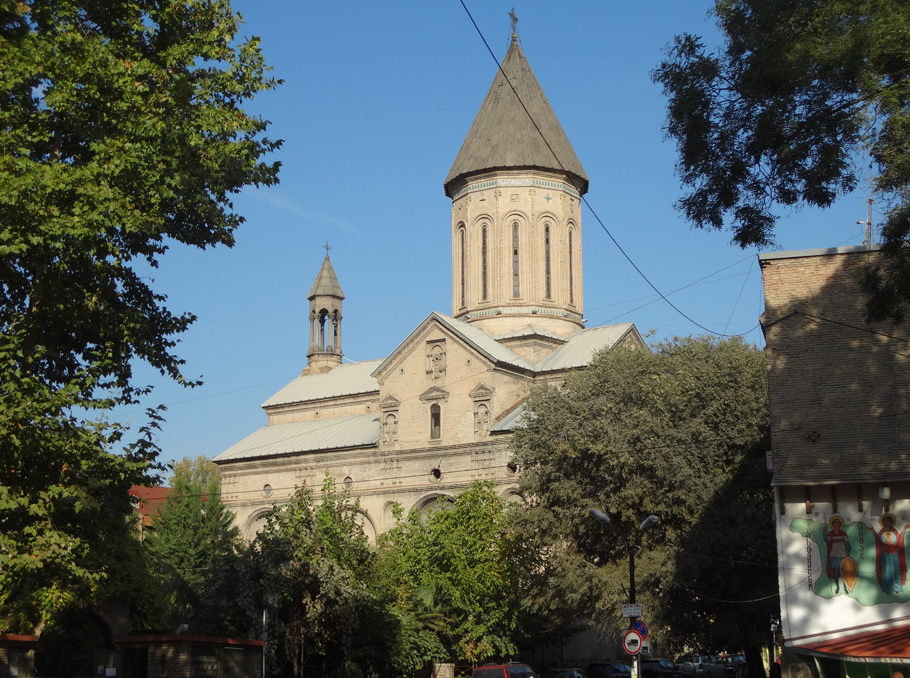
325, 320
516, 186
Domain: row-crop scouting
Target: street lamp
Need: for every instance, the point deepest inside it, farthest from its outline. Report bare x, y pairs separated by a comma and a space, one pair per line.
646, 525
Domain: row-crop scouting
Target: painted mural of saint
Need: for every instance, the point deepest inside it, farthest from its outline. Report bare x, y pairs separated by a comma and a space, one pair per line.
890, 558
838, 544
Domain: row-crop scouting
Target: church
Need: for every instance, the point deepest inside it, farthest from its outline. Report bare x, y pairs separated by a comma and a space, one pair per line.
436, 414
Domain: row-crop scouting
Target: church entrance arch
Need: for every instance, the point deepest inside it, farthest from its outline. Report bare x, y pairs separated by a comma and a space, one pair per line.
432, 502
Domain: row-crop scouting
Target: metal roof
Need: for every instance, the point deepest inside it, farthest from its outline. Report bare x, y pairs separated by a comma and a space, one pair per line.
341, 380
529, 331
473, 336
326, 283
503, 135
582, 345
508, 422
306, 436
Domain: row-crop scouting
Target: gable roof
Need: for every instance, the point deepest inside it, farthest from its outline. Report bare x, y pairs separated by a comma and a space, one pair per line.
530, 331
581, 346
474, 337
503, 135
341, 380
361, 430
326, 283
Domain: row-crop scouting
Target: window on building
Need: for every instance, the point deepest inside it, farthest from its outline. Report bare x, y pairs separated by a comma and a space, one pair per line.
571, 271
483, 262
546, 255
516, 288
435, 422
461, 236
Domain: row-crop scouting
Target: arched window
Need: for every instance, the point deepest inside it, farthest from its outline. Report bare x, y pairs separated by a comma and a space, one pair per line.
461, 235
483, 262
516, 288
546, 256
571, 271
435, 422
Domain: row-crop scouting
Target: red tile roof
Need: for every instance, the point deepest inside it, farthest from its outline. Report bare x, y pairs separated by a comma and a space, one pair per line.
151, 499
891, 643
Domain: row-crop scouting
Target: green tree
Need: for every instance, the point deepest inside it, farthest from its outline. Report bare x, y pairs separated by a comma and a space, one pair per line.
459, 572
122, 133
198, 471
677, 432
802, 97
313, 570
187, 546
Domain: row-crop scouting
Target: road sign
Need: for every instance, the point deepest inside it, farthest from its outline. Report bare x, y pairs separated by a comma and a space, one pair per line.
632, 641
633, 610
641, 627
646, 647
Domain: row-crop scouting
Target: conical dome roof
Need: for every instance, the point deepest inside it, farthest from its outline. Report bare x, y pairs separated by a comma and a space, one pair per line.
504, 137
326, 284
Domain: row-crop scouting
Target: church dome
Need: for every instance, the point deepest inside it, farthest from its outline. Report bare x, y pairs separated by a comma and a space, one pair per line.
503, 135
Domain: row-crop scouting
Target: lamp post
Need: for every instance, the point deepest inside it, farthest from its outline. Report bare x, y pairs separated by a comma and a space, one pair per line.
646, 525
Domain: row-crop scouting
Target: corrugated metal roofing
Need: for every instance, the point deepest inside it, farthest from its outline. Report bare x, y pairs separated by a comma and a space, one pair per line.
306, 436
503, 136
582, 345
508, 422
893, 643
342, 380
474, 336
326, 283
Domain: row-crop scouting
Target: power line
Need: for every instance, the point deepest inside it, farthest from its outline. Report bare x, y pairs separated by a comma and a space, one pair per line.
582, 197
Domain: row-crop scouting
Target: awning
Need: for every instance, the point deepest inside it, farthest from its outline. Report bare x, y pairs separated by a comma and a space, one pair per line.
882, 645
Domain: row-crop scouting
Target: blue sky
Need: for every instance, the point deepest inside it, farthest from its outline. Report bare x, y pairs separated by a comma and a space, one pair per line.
376, 101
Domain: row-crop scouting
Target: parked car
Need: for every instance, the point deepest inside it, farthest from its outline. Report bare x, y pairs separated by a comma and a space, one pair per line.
700, 666
510, 670
732, 664
659, 668
608, 670
565, 673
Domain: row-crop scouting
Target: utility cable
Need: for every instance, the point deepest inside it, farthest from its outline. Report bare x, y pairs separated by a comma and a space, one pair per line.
585, 200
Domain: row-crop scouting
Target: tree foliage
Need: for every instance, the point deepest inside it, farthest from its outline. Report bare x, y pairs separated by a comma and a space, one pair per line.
191, 541
312, 569
802, 96
121, 133
677, 432
459, 572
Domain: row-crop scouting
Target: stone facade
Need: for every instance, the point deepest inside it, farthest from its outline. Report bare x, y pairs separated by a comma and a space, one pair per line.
516, 243
436, 414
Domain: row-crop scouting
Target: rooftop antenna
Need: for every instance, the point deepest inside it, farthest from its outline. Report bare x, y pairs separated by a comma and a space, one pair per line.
867, 241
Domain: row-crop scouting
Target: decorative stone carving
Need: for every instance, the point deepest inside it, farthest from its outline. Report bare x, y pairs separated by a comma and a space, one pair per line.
436, 358
481, 420
433, 394
389, 428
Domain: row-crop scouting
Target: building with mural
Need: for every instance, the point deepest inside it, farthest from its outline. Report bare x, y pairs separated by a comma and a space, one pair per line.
840, 432
435, 415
